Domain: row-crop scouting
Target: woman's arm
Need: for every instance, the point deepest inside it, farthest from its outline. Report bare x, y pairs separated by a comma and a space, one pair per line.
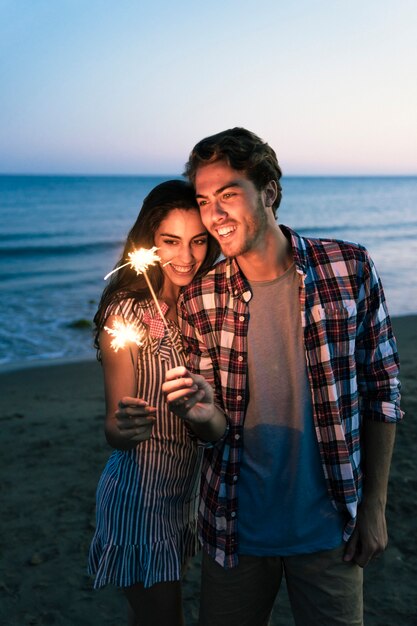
129, 420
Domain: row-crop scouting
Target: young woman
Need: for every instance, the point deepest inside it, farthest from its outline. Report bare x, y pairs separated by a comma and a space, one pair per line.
148, 493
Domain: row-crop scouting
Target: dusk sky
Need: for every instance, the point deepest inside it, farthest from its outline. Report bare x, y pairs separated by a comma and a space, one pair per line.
128, 87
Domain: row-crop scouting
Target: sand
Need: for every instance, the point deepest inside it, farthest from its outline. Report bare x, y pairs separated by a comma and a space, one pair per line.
52, 454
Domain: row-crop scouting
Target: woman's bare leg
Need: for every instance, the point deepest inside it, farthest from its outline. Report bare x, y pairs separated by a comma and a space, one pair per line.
157, 605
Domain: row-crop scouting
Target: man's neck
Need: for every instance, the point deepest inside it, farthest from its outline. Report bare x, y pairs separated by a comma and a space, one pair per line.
269, 260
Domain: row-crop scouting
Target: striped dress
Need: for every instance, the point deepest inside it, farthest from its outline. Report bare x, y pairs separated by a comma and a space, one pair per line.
147, 498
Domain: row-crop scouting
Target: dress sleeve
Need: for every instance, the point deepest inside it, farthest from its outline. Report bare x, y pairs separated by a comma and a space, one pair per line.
124, 307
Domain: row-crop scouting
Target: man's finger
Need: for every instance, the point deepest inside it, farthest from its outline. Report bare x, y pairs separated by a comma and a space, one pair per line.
177, 372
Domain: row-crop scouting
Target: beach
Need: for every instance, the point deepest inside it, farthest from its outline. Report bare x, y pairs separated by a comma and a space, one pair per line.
53, 451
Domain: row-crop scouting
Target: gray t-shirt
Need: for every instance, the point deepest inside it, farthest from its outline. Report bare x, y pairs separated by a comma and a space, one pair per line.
283, 503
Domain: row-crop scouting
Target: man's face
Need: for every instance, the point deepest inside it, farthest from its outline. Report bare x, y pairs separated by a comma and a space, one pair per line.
231, 208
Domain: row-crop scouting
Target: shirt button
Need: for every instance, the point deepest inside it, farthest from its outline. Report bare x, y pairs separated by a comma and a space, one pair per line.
235, 292
242, 318
238, 397
235, 478
233, 514
240, 358
237, 436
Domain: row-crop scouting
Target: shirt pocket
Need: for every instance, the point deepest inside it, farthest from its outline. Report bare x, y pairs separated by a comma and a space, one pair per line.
335, 327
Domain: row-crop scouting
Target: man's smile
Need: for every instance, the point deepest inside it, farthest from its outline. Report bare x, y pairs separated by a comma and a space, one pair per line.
225, 231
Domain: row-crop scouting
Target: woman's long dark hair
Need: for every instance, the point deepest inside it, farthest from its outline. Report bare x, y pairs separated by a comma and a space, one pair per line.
172, 194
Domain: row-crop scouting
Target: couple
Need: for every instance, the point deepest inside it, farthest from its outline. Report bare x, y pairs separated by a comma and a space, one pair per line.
289, 385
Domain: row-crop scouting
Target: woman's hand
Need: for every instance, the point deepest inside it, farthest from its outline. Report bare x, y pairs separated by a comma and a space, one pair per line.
135, 419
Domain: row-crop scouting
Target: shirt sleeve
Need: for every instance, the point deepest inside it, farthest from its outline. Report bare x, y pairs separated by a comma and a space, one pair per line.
376, 351
199, 362
198, 358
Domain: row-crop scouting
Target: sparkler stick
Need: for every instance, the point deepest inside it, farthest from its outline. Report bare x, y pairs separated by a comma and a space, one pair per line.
140, 260
158, 306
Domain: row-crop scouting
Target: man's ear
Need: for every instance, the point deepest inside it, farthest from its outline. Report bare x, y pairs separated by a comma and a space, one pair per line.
270, 192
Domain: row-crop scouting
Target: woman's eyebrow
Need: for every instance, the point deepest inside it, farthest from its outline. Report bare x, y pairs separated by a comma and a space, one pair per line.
202, 234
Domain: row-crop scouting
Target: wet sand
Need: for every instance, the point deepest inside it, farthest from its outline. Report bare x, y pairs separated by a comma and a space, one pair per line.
52, 454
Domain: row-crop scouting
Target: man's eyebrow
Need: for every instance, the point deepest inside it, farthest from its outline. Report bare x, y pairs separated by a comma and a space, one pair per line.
232, 183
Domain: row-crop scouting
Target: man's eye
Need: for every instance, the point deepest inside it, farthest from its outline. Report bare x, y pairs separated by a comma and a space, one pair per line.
228, 195
202, 203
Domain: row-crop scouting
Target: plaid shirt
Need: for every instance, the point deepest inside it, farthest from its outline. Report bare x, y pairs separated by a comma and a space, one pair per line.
352, 366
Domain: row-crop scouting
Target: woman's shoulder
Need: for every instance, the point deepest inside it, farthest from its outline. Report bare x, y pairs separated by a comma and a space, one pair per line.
128, 307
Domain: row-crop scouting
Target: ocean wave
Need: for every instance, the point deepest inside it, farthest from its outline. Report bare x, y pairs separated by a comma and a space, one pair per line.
349, 234
320, 231
59, 250
30, 236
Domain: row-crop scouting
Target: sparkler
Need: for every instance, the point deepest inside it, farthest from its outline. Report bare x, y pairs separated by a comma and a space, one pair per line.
124, 333
141, 260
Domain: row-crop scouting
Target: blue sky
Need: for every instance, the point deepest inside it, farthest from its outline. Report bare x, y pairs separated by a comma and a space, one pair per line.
97, 86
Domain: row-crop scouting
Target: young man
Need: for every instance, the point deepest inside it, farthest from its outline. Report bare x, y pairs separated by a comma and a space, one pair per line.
292, 383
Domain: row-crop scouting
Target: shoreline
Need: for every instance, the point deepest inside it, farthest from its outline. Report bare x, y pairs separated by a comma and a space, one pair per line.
15, 366
18, 366
53, 453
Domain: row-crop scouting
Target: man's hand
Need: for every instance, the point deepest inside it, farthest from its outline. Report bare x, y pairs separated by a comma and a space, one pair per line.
370, 536
191, 397
188, 395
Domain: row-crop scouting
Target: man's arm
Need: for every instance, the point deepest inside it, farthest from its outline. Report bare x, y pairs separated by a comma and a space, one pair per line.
370, 536
197, 383
379, 389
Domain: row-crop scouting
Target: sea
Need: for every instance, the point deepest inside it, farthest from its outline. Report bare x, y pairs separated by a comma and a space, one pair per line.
60, 235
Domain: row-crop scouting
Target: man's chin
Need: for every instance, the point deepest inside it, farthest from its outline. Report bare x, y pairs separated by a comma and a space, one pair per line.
227, 248
227, 252
231, 250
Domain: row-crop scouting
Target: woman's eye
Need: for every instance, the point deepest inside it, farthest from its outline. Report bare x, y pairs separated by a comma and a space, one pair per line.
170, 242
200, 242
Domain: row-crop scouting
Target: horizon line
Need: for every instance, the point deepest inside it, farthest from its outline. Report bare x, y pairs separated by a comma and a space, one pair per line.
179, 176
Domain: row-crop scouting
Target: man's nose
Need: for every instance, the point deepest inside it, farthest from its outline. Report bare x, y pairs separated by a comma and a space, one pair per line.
218, 211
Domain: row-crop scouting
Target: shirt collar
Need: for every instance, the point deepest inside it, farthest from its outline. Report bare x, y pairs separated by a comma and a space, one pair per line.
238, 285
236, 282
298, 247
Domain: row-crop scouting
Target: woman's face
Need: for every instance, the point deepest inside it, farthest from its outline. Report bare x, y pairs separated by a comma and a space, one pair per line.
181, 240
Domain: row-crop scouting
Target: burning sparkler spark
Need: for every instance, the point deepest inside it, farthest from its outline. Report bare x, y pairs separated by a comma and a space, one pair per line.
139, 260
124, 333
142, 259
